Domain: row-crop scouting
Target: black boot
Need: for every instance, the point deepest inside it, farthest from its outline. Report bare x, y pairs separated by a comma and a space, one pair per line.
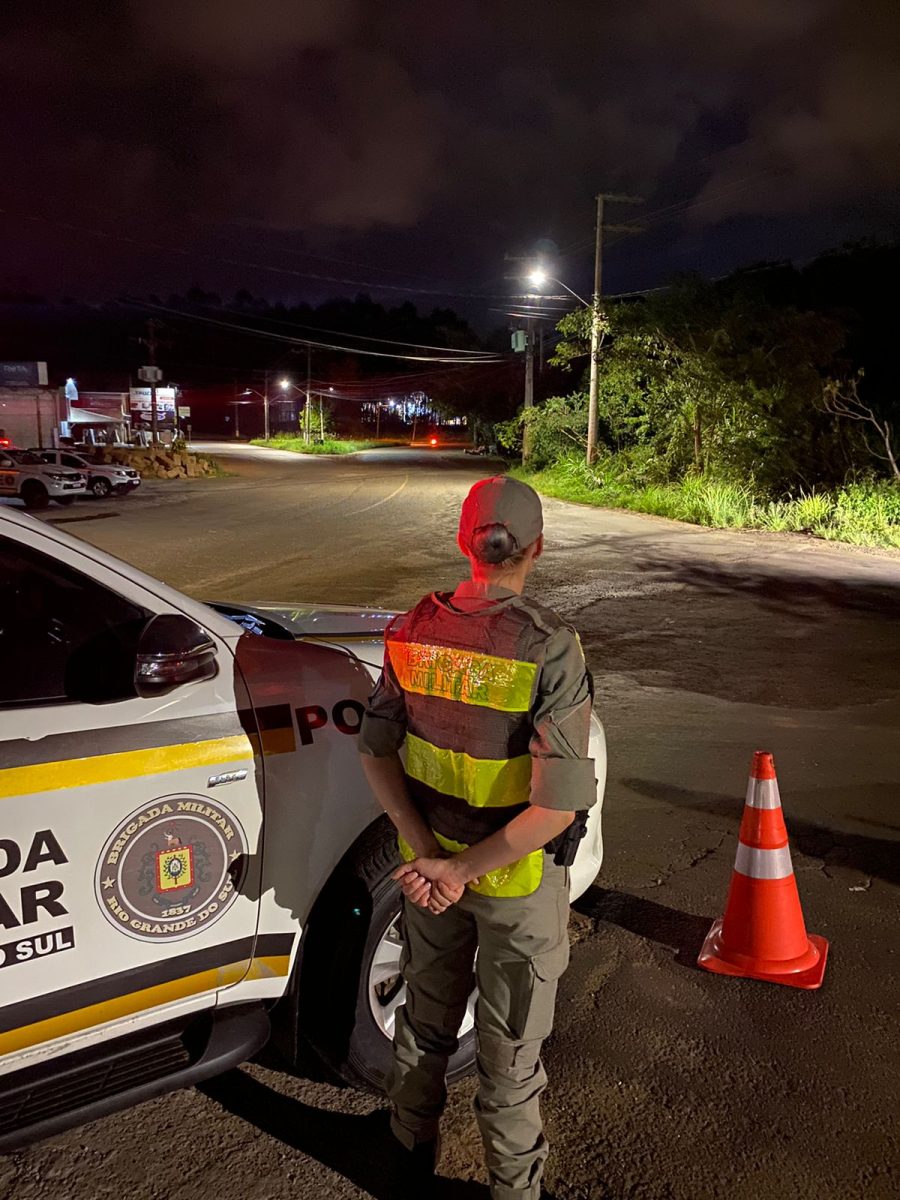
412, 1171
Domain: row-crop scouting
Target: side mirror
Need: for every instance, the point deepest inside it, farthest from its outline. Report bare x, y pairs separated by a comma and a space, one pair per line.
172, 650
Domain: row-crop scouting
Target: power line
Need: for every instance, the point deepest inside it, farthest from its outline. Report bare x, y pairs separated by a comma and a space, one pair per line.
283, 337
360, 336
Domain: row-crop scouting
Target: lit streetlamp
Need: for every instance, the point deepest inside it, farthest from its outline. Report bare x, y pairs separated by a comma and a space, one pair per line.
286, 386
537, 278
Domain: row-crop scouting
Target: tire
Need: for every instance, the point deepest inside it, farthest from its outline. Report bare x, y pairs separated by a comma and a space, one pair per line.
100, 487
65, 501
348, 989
34, 495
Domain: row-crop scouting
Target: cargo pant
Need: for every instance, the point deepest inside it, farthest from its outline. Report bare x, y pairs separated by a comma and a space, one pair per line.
522, 949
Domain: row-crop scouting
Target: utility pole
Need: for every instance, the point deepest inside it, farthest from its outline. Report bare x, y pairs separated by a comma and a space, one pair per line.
151, 354
306, 413
594, 384
266, 408
529, 388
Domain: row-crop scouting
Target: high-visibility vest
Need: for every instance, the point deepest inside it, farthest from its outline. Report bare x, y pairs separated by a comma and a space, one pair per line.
470, 681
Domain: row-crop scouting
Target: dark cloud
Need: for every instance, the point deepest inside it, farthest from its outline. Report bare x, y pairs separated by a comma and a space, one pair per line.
437, 137
233, 35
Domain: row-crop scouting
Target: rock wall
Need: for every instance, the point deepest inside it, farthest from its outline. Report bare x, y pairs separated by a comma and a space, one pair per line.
159, 462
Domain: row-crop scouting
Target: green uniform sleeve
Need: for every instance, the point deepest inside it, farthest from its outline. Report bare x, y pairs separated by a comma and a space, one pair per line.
383, 728
562, 774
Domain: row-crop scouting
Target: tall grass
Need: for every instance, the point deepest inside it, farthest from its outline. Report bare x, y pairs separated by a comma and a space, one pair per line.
865, 514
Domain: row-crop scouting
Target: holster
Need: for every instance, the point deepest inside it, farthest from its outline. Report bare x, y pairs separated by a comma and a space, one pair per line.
565, 847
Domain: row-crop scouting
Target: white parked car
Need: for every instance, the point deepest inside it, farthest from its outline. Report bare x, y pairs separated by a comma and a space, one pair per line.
103, 479
35, 482
191, 861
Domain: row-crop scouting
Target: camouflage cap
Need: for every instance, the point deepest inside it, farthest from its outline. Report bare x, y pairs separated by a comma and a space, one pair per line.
502, 501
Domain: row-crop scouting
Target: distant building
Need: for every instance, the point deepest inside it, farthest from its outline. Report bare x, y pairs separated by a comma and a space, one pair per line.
30, 416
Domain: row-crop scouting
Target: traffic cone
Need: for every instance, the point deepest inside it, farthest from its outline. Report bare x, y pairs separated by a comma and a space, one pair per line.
762, 934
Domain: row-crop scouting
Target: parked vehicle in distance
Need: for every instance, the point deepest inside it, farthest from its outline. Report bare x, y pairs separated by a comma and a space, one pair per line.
26, 476
103, 479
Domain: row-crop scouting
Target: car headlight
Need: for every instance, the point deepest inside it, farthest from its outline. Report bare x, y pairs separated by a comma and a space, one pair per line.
58, 475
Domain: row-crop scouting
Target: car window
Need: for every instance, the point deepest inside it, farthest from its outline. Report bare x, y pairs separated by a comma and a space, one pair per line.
63, 637
29, 457
70, 460
7, 462
48, 456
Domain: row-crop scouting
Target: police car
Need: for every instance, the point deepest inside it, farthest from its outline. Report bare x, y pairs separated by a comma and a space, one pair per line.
191, 862
26, 476
103, 479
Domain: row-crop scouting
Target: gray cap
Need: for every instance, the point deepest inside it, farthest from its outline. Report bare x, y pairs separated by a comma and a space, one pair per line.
502, 501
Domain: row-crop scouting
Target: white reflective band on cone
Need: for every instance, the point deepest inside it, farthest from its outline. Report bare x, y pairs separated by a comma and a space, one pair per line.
763, 793
763, 864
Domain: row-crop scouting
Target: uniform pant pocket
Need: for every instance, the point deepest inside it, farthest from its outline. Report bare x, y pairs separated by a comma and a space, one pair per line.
533, 992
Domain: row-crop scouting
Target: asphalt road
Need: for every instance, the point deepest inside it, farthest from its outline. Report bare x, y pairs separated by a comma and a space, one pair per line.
666, 1083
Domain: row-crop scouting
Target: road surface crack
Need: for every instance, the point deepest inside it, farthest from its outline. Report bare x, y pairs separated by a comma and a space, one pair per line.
693, 860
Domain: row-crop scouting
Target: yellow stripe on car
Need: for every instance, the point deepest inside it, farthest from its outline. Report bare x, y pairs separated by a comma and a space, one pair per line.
481, 782
135, 1002
128, 764
504, 684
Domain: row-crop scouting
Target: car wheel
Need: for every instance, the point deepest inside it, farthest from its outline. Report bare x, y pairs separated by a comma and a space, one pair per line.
350, 986
34, 494
100, 487
65, 501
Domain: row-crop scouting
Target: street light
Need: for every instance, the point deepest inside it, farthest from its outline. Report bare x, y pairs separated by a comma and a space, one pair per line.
286, 385
537, 278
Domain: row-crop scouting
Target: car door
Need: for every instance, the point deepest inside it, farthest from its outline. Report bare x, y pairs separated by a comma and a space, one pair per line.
130, 824
9, 476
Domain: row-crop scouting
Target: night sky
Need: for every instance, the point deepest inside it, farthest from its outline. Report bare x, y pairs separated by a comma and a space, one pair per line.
304, 148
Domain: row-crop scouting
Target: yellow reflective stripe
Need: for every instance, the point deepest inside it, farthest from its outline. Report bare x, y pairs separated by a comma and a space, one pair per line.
105, 768
481, 782
519, 878
483, 679
137, 1002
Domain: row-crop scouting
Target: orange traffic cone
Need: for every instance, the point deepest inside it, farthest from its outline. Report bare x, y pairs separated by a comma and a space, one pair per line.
762, 935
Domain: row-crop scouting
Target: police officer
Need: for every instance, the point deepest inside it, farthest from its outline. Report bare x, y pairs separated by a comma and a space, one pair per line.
489, 692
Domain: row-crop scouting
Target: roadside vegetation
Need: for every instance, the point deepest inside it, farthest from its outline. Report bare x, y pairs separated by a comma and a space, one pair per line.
329, 445
746, 403
865, 514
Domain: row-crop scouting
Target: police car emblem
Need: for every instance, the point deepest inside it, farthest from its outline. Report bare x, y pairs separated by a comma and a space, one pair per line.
171, 868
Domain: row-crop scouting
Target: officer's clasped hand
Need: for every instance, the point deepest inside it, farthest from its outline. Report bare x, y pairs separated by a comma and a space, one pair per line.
429, 883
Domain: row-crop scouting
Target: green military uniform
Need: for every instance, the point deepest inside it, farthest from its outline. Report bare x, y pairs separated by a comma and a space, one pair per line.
489, 693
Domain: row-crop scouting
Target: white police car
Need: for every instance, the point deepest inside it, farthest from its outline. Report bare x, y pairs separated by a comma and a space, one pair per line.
103, 479
190, 859
27, 477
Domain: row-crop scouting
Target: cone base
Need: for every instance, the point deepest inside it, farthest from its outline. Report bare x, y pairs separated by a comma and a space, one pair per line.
804, 972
